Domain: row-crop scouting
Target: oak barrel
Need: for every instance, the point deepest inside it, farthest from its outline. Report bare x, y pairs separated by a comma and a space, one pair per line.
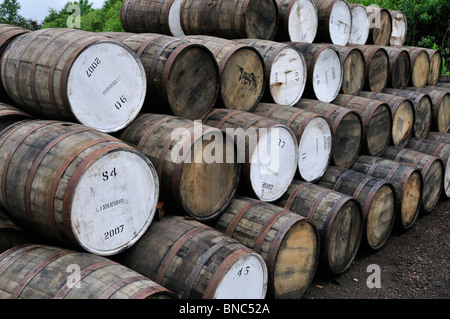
403, 116
380, 25
191, 160
12, 235
360, 24
76, 76
438, 149
152, 16
423, 110
431, 167
196, 261
376, 197
47, 272
183, 77
377, 121
354, 69
399, 67
338, 218
286, 70
230, 19
399, 28
420, 66
377, 67
441, 106
439, 136
10, 114
242, 72
267, 149
335, 21
347, 128
298, 21
324, 70
288, 242
314, 137
435, 66
8, 33
407, 181
76, 186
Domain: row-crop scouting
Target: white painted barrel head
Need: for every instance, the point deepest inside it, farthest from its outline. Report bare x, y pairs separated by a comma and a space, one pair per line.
315, 149
114, 202
246, 279
360, 26
340, 23
399, 27
106, 86
175, 26
327, 75
303, 21
288, 77
273, 163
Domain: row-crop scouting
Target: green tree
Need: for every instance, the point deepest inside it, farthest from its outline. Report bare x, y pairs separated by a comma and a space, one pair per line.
9, 14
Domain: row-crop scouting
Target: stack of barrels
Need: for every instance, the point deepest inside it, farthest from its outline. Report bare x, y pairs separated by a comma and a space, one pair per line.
227, 150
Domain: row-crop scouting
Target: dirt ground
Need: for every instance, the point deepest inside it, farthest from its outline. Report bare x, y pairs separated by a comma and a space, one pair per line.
413, 264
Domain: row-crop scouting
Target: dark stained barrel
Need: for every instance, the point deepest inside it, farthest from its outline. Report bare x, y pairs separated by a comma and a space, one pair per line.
399, 67
435, 66
377, 121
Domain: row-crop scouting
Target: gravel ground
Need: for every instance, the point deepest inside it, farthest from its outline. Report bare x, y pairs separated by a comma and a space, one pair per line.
413, 264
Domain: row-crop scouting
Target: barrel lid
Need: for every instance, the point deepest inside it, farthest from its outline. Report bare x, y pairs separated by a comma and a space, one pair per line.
303, 21
106, 86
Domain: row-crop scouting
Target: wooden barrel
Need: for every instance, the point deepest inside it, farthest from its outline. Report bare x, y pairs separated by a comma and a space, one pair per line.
338, 218
407, 181
191, 160
285, 70
403, 116
288, 242
324, 70
376, 197
7, 34
253, 19
46, 272
441, 107
399, 28
360, 24
299, 21
196, 261
11, 234
443, 85
10, 114
439, 136
76, 186
377, 67
380, 25
152, 16
267, 149
242, 72
377, 121
335, 21
314, 137
435, 66
438, 149
431, 167
420, 66
423, 110
354, 69
347, 128
90, 79
399, 67
183, 77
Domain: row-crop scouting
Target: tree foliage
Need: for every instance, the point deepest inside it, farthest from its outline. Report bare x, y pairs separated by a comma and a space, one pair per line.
9, 14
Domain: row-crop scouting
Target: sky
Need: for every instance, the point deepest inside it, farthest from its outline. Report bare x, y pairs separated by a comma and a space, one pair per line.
38, 9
